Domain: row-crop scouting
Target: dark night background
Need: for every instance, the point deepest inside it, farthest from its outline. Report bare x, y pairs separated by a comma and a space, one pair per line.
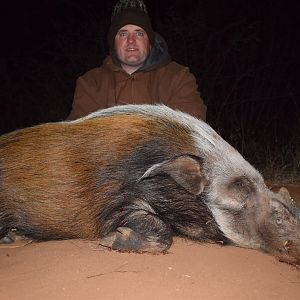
244, 55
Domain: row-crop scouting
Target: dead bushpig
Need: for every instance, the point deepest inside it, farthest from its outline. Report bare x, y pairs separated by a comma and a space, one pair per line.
136, 175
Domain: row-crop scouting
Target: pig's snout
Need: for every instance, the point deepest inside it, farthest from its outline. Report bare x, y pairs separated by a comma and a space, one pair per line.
289, 253
281, 228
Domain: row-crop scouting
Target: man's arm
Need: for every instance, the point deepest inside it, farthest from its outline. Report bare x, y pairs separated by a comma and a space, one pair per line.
84, 99
185, 95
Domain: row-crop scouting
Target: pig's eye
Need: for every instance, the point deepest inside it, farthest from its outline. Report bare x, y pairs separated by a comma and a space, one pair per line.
242, 184
278, 221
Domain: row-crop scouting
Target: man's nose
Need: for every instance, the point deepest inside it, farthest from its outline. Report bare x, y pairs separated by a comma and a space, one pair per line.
131, 38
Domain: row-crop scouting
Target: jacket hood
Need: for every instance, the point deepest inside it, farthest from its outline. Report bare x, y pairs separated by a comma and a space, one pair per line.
158, 56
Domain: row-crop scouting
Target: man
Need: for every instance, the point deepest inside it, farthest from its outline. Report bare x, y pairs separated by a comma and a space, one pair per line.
139, 69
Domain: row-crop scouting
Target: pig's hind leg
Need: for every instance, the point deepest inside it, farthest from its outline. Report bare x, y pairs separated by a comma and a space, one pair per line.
139, 231
8, 233
6, 236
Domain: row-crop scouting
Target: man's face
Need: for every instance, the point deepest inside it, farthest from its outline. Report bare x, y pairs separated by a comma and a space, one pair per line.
132, 47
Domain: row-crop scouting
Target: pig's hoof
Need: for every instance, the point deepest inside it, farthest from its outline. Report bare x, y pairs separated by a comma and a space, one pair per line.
123, 239
7, 240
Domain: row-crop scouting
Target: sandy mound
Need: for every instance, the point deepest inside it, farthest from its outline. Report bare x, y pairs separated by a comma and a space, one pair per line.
81, 270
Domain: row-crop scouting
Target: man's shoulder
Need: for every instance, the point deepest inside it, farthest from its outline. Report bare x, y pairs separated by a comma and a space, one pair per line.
173, 70
90, 77
174, 67
97, 71
92, 72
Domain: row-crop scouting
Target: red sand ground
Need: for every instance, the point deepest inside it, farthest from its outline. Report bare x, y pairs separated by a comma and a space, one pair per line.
80, 270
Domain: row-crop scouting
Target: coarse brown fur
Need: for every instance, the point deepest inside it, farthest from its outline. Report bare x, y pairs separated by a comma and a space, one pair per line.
57, 175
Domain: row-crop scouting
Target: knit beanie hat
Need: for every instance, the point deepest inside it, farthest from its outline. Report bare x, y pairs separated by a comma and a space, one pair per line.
129, 12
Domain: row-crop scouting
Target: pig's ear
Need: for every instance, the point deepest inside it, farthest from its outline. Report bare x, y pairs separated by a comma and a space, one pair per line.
288, 200
284, 193
185, 170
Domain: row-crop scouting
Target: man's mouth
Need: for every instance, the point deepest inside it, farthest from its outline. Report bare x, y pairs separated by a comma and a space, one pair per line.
131, 49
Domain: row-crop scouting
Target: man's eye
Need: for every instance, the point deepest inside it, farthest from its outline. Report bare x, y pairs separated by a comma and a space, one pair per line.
122, 34
140, 33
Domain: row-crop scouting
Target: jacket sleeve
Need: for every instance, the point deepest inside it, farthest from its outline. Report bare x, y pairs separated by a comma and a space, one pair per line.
185, 95
84, 101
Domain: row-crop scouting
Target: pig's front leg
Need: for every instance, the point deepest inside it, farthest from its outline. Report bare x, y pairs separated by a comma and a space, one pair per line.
140, 231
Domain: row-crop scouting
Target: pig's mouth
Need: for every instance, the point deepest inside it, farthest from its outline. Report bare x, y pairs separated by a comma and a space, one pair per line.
287, 254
